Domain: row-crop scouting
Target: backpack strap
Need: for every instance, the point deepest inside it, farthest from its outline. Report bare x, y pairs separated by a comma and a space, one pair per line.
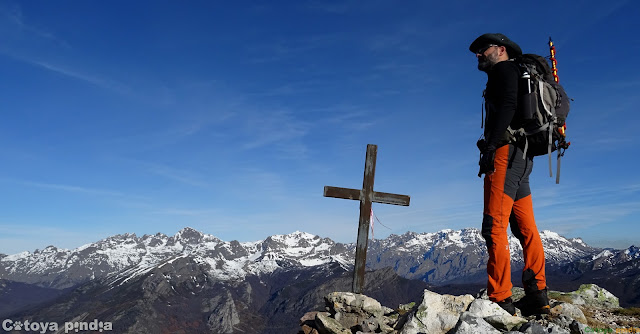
484, 94
523, 134
542, 95
550, 130
520, 133
558, 170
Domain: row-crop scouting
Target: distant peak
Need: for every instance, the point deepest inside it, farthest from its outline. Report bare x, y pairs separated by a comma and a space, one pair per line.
632, 251
304, 235
550, 234
295, 235
189, 234
14, 257
48, 249
189, 230
122, 236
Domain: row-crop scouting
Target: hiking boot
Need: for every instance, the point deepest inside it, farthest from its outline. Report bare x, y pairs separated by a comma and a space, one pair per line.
508, 306
535, 303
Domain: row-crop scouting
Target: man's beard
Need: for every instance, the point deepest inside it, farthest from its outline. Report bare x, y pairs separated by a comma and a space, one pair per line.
485, 63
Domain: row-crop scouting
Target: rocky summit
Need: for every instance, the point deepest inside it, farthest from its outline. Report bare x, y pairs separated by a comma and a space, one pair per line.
590, 309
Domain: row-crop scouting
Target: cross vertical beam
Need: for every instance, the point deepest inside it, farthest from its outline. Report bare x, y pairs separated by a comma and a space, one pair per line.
366, 196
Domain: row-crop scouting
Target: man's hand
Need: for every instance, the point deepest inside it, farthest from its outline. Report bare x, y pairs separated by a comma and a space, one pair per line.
486, 163
487, 156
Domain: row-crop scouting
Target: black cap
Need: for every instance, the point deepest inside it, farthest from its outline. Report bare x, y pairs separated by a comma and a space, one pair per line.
499, 39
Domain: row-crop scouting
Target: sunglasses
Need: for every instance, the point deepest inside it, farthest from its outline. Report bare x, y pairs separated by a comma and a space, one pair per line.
485, 48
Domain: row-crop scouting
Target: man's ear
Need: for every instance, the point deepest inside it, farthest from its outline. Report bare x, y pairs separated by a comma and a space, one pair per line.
503, 52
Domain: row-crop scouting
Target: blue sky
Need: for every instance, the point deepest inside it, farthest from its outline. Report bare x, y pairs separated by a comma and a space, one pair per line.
231, 117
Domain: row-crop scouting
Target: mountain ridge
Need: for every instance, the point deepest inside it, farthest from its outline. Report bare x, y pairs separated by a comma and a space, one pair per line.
233, 260
199, 282
412, 255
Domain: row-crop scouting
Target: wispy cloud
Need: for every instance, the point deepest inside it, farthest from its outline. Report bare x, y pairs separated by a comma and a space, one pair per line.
572, 212
125, 199
92, 79
346, 119
15, 25
268, 128
410, 36
276, 48
25, 42
73, 189
185, 212
562, 197
577, 219
262, 184
187, 177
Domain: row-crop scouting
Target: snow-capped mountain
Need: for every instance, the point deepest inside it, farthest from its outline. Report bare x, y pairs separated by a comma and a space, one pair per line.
197, 281
611, 257
128, 254
449, 256
432, 257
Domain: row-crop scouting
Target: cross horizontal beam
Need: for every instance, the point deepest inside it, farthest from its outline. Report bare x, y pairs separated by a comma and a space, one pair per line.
376, 196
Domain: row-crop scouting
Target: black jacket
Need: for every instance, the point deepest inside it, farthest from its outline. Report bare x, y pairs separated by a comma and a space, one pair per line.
501, 102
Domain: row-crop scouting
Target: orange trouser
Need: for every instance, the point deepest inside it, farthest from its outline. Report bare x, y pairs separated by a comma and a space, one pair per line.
507, 198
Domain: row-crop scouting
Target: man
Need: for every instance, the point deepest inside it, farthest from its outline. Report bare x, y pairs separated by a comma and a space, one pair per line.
507, 196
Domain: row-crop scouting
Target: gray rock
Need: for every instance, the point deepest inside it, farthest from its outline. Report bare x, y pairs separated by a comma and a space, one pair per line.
562, 320
308, 317
517, 293
471, 324
406, 307
354, 303
570, 311
577, 328
485, 308
437, 314
355, 310
348, 320
554, 329
533, 327
482, 294
594, 296
327, 325
505, 322
368, 325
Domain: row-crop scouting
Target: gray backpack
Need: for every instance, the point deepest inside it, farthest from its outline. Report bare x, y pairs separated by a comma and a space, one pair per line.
545, 106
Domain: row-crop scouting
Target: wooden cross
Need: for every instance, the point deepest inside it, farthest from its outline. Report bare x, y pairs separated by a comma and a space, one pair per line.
366, 196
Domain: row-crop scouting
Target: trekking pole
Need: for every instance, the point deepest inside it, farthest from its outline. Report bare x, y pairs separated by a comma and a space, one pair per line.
554, 68
554, 62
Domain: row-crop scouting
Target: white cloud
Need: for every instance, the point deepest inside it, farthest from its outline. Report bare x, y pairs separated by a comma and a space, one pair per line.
74, 189
267, 128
